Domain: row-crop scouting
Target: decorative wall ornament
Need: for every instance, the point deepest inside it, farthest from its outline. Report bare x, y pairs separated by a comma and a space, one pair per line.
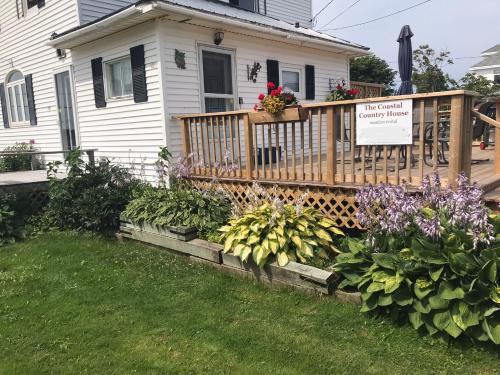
180, 59
334, 82
253, 72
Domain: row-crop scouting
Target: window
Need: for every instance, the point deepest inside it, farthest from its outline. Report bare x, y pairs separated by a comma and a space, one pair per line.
25, 7
244, 4
17, 99
496, 76
218, 86
291, 79
119, 78
31, 3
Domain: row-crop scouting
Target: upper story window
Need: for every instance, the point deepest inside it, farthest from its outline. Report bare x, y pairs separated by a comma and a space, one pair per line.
17, 99
245, 4
119, 78
24, 7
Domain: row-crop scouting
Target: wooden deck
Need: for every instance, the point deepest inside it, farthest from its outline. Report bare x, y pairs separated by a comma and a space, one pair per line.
24, 177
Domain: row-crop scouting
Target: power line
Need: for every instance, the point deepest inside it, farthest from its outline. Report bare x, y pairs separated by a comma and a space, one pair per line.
340, 14
379, 18
322, 9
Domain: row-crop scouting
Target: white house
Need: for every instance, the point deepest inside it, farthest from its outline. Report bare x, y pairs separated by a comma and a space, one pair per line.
112, 74
489, 67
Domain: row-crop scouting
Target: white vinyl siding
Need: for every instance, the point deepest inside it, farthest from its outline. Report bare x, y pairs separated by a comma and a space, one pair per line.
91, 10
126, 132
291, 11
24, 48
183, 89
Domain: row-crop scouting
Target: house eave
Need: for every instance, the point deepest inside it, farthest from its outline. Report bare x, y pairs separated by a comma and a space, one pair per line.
474, 68
148, 10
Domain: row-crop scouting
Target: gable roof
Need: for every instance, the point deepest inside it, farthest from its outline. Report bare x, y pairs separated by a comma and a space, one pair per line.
490, 61
491, 50
210, 10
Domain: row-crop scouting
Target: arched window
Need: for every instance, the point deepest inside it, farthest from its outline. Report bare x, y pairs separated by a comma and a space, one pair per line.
17, 98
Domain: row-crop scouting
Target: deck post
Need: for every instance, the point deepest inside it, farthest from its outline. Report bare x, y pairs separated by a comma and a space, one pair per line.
186, 144
248, 133
460, 137
497, 141
331, 144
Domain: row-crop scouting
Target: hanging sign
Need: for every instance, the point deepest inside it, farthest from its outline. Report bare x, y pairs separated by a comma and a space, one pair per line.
384, 123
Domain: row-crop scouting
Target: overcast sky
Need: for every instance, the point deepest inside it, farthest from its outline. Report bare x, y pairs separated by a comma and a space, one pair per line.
463, 27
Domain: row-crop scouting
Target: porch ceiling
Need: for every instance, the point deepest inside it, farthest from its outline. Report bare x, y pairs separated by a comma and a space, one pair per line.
217, 14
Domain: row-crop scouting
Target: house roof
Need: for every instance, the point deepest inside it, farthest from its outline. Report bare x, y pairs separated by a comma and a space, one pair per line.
491, 50
490, 61
209, 10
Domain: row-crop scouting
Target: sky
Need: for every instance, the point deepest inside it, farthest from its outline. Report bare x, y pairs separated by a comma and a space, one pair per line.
463, 27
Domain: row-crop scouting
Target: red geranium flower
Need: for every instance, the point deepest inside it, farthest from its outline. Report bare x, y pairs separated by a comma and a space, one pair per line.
275, 93
255, 107
280, 89
271, 86
339, 87
261, 97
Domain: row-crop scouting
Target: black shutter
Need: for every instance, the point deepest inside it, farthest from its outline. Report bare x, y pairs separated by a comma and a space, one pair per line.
31, 98
98, 80
273, 72
139, 74
40, 3
3, 101
310, 85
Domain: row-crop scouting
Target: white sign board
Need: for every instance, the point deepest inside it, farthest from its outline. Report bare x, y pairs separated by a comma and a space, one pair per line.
384, 123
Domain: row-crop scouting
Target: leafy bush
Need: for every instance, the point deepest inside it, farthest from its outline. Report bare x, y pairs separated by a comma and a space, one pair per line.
14, 163
9, 230
430, 260
287, 232
91, 197
206, 211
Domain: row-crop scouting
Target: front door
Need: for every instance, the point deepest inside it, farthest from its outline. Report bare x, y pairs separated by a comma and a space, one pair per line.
66, 110
218, 91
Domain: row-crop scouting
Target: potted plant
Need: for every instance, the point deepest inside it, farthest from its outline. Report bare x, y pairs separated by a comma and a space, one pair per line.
342, 93
279, 105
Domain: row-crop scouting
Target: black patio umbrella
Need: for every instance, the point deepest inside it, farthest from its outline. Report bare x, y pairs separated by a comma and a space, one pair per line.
405, 61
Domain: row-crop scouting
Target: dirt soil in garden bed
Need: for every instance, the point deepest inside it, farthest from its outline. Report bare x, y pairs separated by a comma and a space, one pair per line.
73, 303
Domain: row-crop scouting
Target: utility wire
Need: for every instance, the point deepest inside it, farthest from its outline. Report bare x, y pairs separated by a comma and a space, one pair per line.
340, 14
379, 18
322, 9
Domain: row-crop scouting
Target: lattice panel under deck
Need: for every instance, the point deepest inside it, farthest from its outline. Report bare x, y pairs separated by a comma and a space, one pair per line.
338, 204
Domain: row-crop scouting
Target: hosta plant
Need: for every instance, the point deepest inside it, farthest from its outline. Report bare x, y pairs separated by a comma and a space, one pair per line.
269, 229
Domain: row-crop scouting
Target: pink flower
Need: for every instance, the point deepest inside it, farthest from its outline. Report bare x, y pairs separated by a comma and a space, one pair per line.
256, 107
32, 141
279, 89
261, 97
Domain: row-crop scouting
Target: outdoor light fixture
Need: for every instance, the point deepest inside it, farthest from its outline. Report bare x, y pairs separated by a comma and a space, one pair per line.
218, 37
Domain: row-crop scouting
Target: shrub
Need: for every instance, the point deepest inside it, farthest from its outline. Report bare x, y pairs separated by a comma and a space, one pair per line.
9, 230
269, 229
91, 197
14, 163
430, 260
206, 211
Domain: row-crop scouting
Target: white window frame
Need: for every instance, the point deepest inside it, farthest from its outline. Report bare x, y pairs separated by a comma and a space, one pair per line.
24, 11
296, 69
10, 108
107, 81
203, 95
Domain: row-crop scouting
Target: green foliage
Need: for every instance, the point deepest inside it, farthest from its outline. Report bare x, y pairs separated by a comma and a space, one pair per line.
373, 69
447, 291
15, 163
287, 234
206, 211
428, 73
8, 228
91, 197
480, 84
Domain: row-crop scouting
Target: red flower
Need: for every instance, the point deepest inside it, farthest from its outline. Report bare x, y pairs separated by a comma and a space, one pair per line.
275, 93
271, 86
261, 97
339, 87
280, 89
255, 107
349, 92
355, 92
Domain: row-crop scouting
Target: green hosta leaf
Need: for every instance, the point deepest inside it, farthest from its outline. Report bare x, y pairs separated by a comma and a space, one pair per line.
495, 294
375, 287
453, 330
415, 319
463, 316
336, 231
422, 306
385, 260
307, 249
422, 287
491, 311
436, 274
447, 290
462, 264
355, 246
246, 253
489, 272
273, 246
239, 249
369, 304
492, 329
260, 256
427, 251
282, 259
392, 284
381, 276
441, 319
297, 241
477, 293
228, 244
323, 234
402, 296
436, 302
253, 239
478, 333
384, 299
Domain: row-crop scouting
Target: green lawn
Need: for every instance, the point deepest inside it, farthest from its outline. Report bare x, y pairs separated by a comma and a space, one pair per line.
74, 304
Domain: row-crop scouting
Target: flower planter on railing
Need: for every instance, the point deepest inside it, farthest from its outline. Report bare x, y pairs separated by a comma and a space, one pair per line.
289, 114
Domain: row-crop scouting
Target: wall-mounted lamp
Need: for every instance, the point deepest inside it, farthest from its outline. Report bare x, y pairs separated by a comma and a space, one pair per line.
218, 37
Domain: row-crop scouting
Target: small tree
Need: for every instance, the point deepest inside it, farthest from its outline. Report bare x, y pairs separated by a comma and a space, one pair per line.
428, 73
373, 69
480, 84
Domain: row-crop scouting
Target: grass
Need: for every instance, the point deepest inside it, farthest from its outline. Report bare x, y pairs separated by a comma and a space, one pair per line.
75, 304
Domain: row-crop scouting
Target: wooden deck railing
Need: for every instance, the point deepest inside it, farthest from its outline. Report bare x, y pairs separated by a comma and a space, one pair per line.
368, 90
321, 149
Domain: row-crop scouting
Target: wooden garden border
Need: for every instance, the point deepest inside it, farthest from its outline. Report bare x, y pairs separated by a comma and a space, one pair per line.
296, 275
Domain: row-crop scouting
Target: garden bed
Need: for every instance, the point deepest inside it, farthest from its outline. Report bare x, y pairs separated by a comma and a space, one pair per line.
294, 274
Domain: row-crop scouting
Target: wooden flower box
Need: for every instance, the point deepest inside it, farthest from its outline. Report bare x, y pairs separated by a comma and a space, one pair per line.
289, 114
179, 233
